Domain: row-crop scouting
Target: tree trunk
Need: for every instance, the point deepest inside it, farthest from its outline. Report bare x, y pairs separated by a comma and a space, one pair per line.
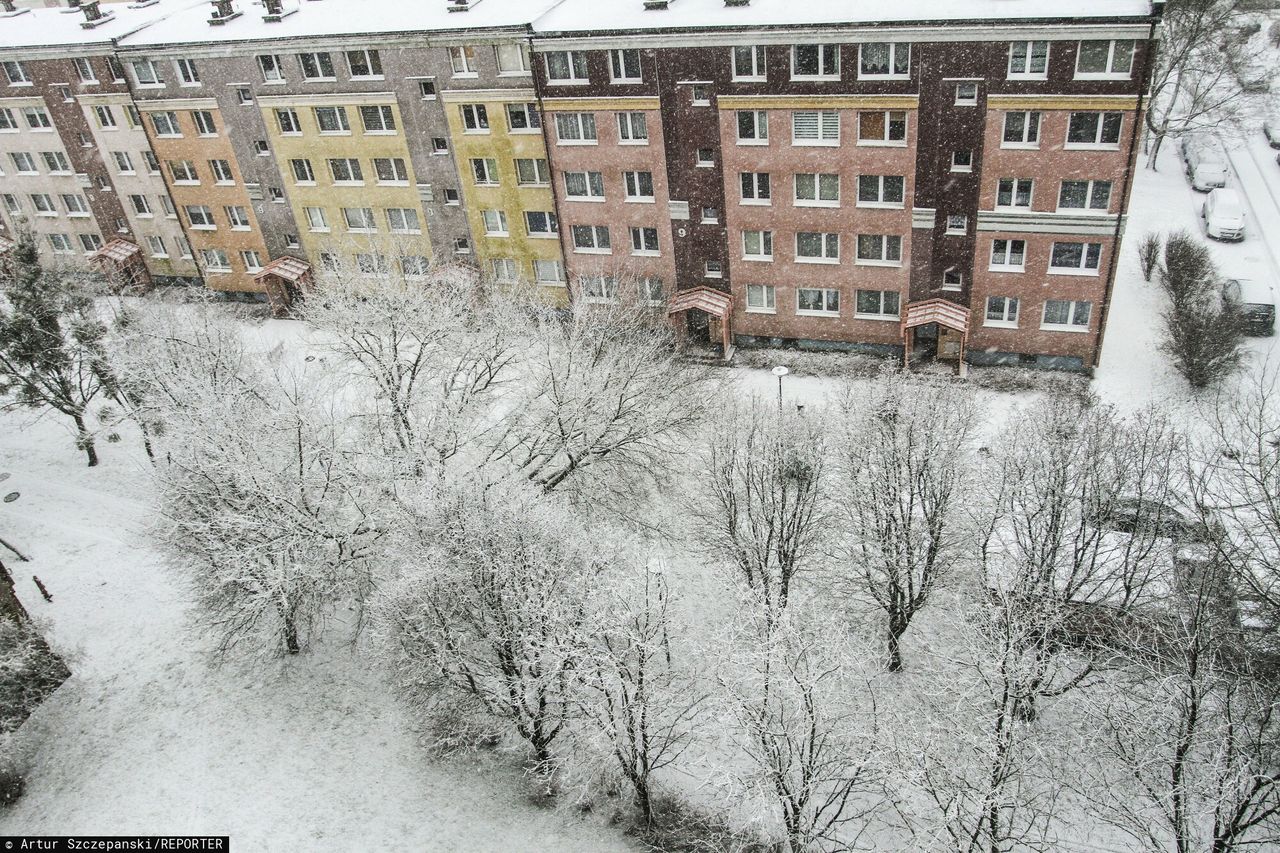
291, 644
897, 627
84, 439
146, 441
643, 799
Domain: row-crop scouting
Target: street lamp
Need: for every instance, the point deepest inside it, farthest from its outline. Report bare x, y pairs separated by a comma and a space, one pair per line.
780, 372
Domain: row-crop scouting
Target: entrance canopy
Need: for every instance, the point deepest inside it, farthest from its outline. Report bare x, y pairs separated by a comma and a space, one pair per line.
117, 251
289, 269
940, 311
714, 302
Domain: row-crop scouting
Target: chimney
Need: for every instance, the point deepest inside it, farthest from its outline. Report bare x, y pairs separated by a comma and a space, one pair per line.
93, 16
461, 5
223, 11
275, 11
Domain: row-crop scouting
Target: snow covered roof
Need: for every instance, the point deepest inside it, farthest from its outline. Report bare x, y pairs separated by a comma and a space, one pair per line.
613, 15
322, 18
60, 27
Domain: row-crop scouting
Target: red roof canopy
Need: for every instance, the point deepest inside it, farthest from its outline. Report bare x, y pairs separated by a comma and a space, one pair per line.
941, 311
287, 268
117, 250
709, 299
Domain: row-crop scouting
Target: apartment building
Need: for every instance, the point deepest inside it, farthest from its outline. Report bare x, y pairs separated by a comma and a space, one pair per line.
896, 178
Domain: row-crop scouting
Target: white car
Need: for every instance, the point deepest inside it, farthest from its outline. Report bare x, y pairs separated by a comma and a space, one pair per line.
1223, 215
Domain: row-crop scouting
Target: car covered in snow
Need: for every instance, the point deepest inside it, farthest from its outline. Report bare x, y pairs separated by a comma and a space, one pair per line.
1205, 160
1254, 300
1224, 215
1271, 130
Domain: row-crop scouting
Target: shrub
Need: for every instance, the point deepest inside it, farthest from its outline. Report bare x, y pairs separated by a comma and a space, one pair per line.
1149, 253
1202, 336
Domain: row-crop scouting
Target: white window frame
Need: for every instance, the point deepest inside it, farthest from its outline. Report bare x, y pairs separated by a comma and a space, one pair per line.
580, 121
1028, 63
826, 122
237, 217
532, 117
366, 223
475, 118
539, 268
631, 180
880, 193
372, 61
386, 124
762, 299
830, 296
894, 49
1009, 307
1072, 314
618, 72
84, 70
825, 70
354, 171
640, 242
317, 219
399, 171
405, 220
596, 246
300, 167
756, 182
188, 73
881, 314
495, 222
758, 121
628, 125
1110, 73
1016, 185
217, 170
1031, 126
966, 93
759, 69
525, 65
1001, 260
1097, 144
826, 241
764, 239
957, 224
272, 70
886, 141
1083, 268
541, 172
315, 59
1091, 187
575, 63
206, 221
198, 118
817, 200
592, 182
886, 241
553, 225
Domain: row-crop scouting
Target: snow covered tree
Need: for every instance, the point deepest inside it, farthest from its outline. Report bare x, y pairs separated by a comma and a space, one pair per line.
1203, 334
52, 356
494, 613
903, 460
761, 504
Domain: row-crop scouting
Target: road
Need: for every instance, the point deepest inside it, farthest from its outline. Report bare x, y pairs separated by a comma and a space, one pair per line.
1257, 176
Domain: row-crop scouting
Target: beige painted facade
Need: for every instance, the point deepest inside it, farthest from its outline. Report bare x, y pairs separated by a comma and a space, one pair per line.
229, 254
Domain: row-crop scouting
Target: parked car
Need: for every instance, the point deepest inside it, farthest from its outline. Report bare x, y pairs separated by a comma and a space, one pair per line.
1223, 214
1256, 302
1271, 130
1205, 160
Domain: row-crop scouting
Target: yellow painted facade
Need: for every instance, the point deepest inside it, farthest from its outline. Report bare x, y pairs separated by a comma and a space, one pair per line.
351, 185
493, 191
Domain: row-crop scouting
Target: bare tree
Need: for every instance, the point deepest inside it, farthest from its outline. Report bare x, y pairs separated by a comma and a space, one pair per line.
761, 507
495, 612
903, 462
807, 723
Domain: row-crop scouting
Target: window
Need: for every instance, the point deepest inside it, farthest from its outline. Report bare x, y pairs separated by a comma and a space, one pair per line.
962, 160
244, 96
116, 69
157, 247
329, 262
24, 163
183, 246
222, 172
512, 58
705, 157
124, 163
599, 288
1094, 130
37, 118
238, 217
700, 95
580, 185
43, 203
639, 185
1022, 129
105, 117
17, 73
61, 244
566, 67
364, 64
346, 170
391, 170
75, 204
1099, 59
204, 122
1083, 258
166, 204
576, 128
187, 72
957, 224
815, 61
753, 127
475, 118
251, 259
166, 124
884, 59
90, 242
484, 170
813, 247
404, 220
813, 127
495, 222
451, 196
84, 70
876, 303
644, 241
56, 162
1028, 59
287, 120
1002, 311
811, 300
359, 219
757, 245
882, 127
532, 171
653, 290
1085, 195
316, 218
261, 146
183, 172
12, 204
1066, 315
541, 223
272, 71
64, 92
8, 121
503, 269
633, 129
141, 206
415, 266
302, 171
624, 66
1008, 254
333, 119
748, 63
1014, 192
146, 73
761, 299
755, 187
316, 66
215, 260
133, 117
879, 249
427, 89
523, 118
887, 190
463, 60
291, 240
591, 238
378, 119
276, 194
817, 190
200, 216
952, 279
153, 162
548, 271
966, 94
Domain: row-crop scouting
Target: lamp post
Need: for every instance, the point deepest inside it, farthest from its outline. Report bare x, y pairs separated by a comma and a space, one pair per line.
780, 371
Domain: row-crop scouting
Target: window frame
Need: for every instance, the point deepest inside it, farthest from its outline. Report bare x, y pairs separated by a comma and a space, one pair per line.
321, 65
1009, 309
1028, 63
882, 299
617, 62
766, 304
830, 298
823, 72
1073, 310
817, 200
893, 65
1007, 255
759, 64
579, 119
1090, 191
883, 259
765, 240
1110, 73
822, 127
1083, 268
826, 243
575, 63
758, 181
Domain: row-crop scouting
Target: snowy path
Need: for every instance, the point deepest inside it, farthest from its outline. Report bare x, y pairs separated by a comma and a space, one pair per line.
145, 738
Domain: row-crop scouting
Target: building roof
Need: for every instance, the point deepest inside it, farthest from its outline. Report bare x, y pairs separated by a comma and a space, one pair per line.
578, 16
323, 18
60, 27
